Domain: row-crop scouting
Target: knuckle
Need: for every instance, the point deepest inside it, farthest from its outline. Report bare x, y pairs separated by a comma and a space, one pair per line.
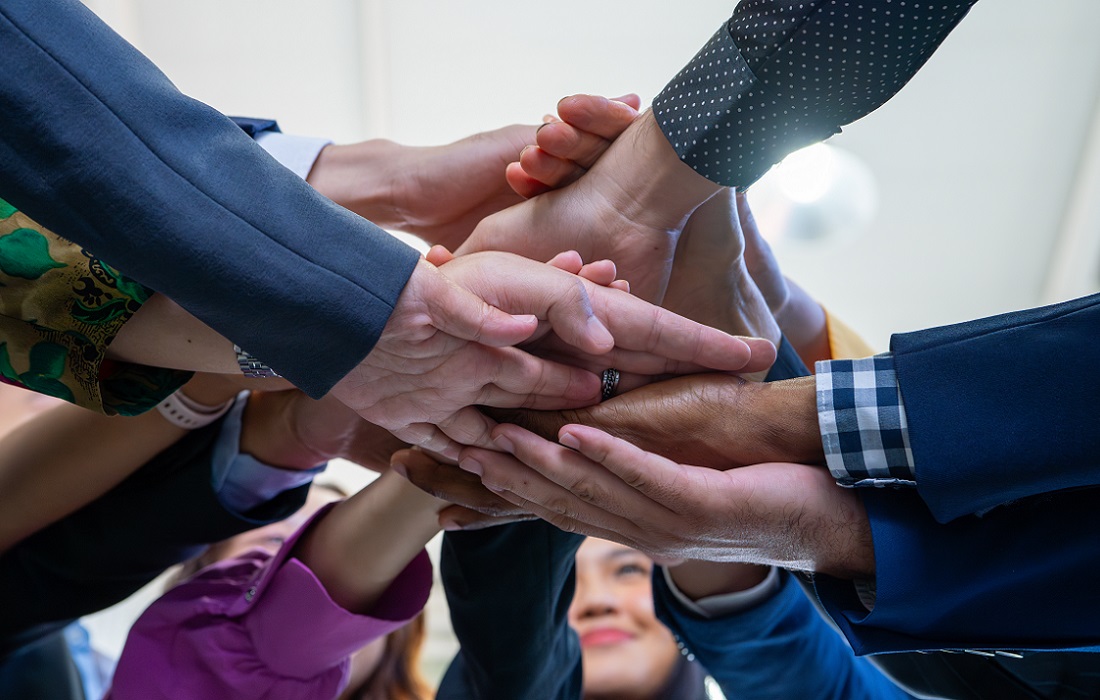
561, 507
566, 525
588, 490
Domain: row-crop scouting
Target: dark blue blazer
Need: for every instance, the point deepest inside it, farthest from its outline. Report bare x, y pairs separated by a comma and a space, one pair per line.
1005, 407
99, 146
1017, 578
996, 547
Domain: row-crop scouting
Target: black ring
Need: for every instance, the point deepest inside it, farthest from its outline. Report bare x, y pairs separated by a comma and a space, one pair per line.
610, 383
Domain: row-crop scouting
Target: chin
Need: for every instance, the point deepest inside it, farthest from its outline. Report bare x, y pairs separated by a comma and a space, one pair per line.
615, 676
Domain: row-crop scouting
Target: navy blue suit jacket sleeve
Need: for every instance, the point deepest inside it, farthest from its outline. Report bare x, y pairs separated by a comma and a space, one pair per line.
1003, 408
99, 146
1015, 578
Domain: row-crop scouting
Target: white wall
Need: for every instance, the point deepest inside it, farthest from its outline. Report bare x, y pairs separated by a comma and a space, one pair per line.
975, 159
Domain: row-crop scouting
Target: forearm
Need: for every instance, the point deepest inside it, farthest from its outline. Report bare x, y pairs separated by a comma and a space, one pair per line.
508, 591
56, 463
60, 311
163, 334
768, 99
702, 579
787, 412
657, 175
361, 546
360, 177
1002, 408
1011, 579
200, 213
780, 647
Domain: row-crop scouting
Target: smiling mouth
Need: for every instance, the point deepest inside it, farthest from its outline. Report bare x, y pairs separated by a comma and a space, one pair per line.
604, 638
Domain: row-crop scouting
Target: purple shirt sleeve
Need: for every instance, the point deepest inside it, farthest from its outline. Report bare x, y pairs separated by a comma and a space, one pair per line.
257, 626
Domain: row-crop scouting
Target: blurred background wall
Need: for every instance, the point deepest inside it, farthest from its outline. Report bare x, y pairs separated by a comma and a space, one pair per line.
985, 167
975, 191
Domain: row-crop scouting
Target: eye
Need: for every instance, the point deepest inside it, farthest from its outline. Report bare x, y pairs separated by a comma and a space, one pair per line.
632, 569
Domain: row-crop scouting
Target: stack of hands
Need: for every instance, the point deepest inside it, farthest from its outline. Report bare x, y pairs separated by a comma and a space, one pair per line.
493, 360
697, 465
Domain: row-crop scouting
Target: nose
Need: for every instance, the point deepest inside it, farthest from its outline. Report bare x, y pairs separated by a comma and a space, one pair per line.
593, 597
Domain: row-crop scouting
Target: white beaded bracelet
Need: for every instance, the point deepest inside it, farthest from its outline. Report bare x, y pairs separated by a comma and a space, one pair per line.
180, 410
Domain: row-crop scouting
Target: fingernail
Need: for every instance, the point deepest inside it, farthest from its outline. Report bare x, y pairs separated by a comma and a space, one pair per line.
599, 333
449, 526
400, 468
570, 440
471, 465
504, 443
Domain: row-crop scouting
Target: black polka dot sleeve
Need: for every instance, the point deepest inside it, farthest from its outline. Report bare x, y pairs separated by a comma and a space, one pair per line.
782, 75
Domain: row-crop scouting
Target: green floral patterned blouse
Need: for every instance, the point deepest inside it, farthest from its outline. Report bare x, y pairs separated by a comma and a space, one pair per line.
60, 308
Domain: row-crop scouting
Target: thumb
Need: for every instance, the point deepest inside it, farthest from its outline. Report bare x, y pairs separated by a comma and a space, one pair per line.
462, 314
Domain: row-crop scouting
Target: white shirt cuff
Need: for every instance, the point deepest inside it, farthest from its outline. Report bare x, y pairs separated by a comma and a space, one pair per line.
298, 153
726, 603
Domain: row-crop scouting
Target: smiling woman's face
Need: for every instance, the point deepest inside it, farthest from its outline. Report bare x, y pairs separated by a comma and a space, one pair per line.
627, 652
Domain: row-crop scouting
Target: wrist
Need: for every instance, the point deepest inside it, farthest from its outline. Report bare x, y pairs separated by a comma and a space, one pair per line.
652, 185
702, 579
357, 177
790, 414
269, 432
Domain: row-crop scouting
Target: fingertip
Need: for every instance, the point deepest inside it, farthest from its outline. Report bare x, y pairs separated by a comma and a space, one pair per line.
569, 439
471, 465
630, 99
600, 339
502, 329
399, 467
439, 255
763, 354
521, 183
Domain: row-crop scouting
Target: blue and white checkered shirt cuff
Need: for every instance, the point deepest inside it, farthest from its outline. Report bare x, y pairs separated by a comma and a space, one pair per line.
862, 421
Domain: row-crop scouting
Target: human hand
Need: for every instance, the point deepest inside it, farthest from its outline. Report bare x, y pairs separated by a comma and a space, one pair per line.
709, 282
566, 148
629, 207
473, 506
448, 346
601, 272
801, 319
761, 261
718, 420
783, 514
290, 430
439, 193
